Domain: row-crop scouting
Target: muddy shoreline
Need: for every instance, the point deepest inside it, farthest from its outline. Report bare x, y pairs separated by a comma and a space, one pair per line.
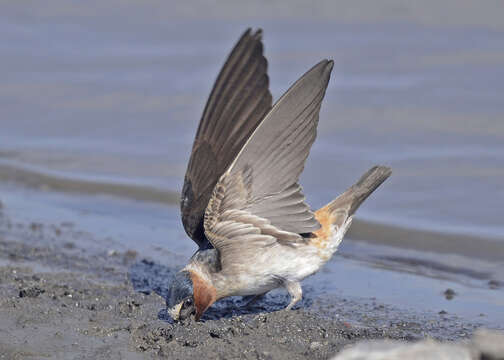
60, 297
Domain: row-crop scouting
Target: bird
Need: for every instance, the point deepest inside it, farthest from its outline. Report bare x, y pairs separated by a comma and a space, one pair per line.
241, 200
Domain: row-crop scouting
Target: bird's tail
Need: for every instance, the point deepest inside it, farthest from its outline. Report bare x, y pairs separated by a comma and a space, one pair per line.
335, 218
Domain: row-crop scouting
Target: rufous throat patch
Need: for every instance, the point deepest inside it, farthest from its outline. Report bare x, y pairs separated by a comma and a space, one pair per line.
204, 294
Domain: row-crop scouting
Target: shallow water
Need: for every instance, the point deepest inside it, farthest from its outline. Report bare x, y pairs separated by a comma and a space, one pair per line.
406, 281
106, 100
109, 99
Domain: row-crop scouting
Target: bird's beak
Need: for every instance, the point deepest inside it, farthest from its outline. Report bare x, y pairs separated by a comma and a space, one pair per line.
175, 311
181, 311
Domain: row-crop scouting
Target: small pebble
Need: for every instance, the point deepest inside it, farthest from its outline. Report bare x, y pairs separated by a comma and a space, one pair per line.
112, 252
494, 284
449, 294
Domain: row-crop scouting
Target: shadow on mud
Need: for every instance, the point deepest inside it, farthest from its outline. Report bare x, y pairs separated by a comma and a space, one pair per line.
147, 276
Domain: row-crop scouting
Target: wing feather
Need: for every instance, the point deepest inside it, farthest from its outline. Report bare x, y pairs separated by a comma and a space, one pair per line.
258, 202
238, 102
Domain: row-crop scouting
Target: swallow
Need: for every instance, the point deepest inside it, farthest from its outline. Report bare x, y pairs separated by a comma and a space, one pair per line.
242, 202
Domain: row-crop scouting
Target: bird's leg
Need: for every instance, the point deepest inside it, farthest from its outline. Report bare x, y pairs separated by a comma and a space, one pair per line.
295, 291
251, 299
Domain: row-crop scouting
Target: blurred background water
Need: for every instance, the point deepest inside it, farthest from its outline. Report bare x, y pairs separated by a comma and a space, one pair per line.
105, 97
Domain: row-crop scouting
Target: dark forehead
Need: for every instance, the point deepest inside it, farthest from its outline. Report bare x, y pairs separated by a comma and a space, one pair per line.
180, 289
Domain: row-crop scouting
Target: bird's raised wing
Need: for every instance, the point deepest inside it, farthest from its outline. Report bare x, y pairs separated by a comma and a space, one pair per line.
258, 201
238, 102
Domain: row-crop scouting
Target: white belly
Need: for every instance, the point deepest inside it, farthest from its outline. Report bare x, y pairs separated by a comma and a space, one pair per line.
269, 269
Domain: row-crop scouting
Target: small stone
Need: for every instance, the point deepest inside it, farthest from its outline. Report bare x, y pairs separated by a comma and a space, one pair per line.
36, 226
494, 284
214, 334
31, 292
130, 254
69, 245
449, 294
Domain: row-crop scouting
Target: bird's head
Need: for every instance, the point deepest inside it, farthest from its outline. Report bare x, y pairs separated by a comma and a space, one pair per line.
180, 300
189, 294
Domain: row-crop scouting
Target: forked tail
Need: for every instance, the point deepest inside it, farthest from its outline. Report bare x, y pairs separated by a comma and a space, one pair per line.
335, 218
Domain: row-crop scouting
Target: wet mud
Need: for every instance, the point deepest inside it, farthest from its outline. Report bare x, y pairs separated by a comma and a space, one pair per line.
62, 298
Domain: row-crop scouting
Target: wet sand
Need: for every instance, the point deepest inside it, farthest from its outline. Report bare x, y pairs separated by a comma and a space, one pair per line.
63, 297
67, 315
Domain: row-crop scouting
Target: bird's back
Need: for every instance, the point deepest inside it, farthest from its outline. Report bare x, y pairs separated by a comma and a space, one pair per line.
267, 270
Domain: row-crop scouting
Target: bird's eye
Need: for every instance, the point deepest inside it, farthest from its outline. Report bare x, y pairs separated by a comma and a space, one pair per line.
188, 302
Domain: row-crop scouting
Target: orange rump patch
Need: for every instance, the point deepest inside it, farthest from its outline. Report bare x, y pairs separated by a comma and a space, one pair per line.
323, 234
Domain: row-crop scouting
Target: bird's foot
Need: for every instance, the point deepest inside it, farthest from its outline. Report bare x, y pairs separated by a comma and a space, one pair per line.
295, 291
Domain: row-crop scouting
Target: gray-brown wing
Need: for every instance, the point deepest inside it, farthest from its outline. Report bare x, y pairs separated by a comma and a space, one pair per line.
258, 198
238, 102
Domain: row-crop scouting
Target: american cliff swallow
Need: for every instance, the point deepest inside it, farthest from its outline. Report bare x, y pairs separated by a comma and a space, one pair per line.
241, 201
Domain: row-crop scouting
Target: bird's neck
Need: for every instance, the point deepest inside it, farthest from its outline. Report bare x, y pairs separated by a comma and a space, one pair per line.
206, 265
